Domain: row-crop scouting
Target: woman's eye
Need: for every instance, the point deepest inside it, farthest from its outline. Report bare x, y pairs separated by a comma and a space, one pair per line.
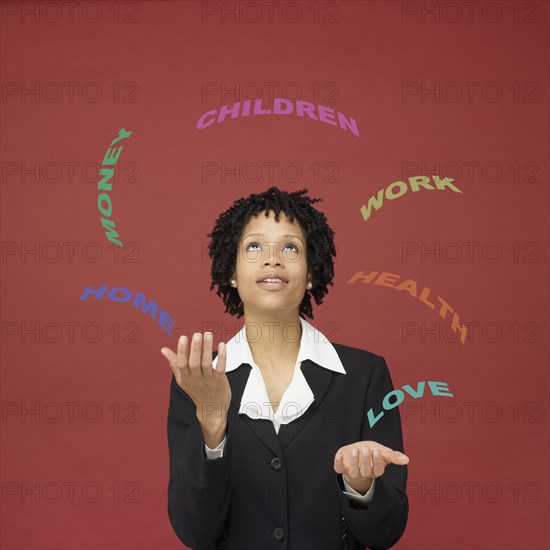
293, 246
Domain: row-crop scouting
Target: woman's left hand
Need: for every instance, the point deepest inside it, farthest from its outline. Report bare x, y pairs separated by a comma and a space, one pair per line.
361, 462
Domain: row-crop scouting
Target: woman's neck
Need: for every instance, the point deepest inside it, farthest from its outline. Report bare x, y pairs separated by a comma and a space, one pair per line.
274, 342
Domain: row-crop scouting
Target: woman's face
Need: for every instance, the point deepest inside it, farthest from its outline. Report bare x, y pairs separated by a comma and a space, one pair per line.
265, 247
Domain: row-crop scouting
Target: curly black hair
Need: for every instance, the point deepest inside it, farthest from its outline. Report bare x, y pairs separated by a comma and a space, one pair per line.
227, 232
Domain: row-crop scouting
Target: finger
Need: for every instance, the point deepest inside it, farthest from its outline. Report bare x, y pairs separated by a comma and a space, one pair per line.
378, 465
365, 468
206, 359
383, 449
339, 463
181, 359
395, 457
389, 455
353, 470
170, 356
399, 458
195, 355
222, 358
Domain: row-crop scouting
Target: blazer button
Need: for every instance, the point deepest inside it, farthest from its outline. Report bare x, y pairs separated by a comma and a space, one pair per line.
277, 463
279, 533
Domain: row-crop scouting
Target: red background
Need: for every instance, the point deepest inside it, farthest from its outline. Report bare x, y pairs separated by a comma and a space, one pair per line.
372, 49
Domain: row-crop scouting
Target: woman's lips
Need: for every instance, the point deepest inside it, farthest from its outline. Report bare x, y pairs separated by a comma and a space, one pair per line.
272, 286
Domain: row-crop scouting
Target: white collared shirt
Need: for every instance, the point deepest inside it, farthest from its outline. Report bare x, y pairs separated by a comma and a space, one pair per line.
314, 345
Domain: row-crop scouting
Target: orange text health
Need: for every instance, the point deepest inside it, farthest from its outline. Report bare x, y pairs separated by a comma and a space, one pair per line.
122, 294
437, 388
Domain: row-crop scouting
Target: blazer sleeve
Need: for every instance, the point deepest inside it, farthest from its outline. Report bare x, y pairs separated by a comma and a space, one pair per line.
199, 488
381, 524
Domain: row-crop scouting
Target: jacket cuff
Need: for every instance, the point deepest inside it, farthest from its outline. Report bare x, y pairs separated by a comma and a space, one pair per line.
352, 494
216, 452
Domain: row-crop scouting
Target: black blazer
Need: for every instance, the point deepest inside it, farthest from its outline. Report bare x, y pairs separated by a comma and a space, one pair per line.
274, 491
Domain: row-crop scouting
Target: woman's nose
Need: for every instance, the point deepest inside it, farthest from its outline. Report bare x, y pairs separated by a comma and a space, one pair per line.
273, 254
274, 263
272, 260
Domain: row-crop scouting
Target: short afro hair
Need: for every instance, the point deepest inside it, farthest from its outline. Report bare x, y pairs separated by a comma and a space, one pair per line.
228, 229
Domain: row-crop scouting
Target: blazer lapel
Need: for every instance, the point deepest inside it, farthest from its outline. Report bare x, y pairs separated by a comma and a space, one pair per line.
318, 379
263, 428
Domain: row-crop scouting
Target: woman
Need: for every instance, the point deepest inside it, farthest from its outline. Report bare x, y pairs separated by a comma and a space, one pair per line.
269, 442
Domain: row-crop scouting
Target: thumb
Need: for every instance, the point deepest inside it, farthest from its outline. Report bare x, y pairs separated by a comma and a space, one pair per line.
397, 457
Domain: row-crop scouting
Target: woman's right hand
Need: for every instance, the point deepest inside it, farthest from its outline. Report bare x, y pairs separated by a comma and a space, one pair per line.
208, 387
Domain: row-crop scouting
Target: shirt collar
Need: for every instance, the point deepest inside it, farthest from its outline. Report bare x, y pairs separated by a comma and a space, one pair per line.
314, 345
